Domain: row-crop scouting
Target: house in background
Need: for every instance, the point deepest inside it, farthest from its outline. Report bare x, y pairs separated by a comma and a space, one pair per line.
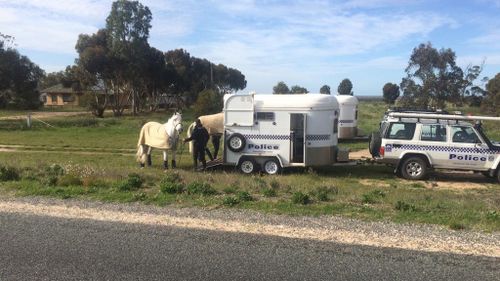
61, 96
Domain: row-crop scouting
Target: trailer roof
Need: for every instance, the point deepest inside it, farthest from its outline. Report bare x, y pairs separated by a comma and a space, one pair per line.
347, 100
295, 101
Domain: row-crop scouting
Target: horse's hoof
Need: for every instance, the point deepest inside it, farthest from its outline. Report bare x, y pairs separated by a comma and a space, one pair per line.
165, 165
174, 164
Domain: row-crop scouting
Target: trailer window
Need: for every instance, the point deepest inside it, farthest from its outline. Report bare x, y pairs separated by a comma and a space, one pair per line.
264, 116
336, 125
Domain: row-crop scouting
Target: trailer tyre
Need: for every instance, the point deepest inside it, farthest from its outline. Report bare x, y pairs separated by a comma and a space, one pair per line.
375, 141
414, 168
272, 167
247, 166
236, 142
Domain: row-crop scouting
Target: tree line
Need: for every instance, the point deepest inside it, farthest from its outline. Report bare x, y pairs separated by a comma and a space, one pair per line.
344, 88
116, 68
434, 80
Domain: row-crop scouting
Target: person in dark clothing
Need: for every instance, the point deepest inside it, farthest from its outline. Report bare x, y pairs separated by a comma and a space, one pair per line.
200, 139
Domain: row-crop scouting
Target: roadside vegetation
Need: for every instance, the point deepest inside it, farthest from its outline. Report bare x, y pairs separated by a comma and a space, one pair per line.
94, 158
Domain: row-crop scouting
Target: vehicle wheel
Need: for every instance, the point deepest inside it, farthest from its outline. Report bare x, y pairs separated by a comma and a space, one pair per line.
272, 167
375, 140
414, 168
247, 166
236, 142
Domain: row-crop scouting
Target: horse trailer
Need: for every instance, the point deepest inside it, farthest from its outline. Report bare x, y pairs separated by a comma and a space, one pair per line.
271, 132
348, 120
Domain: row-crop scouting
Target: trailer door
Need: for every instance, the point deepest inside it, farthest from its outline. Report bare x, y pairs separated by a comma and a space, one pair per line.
298, 123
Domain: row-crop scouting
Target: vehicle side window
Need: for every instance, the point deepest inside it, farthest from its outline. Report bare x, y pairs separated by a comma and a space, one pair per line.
463, 134
433, 133
401, 131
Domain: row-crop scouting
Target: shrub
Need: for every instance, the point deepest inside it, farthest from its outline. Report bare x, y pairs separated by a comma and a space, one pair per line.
49, 180
8, 174
457, 226
141, 196
405, 207
244, 196
133, 182
301, 198
171, 187
54, 170
69, 180
269, 192
274, 184
259, 183
202, 188
373, 196
322, 193
230, 201
94, 182
230, 189
492, 215
171, 183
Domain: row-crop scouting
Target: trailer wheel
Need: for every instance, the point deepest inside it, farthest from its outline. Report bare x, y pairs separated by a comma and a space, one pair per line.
236, 142
272, 167
247, 166
375, 140
414, 168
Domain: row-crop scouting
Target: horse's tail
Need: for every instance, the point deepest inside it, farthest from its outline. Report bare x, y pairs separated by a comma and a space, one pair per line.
188, 133
140, 152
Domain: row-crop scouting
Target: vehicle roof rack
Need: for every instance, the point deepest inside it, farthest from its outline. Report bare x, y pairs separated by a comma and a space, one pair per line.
418, 110
441, 116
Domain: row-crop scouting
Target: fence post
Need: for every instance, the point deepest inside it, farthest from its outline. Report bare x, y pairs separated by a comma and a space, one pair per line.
28, 120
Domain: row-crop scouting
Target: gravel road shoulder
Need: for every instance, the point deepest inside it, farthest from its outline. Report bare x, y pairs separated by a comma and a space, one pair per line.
418, 237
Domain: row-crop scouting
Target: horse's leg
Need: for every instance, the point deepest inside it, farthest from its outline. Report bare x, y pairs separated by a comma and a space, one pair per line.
216, 144
149, 156
174, 164
165, 159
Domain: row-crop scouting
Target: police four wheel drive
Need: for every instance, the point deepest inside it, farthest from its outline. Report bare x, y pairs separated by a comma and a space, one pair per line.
417, 141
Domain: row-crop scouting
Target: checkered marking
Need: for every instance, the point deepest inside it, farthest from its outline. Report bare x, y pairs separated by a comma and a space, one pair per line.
346, 121
267, 137
318, 137
286, 137
445, 149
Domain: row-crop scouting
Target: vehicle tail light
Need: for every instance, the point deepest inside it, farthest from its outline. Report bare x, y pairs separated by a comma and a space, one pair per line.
382, 151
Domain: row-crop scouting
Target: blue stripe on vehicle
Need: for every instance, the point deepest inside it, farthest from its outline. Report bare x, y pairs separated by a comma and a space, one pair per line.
439, 148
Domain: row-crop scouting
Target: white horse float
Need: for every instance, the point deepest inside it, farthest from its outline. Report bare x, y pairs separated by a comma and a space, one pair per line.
160, 136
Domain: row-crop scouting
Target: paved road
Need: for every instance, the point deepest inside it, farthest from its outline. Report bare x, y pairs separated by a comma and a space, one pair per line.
45, 248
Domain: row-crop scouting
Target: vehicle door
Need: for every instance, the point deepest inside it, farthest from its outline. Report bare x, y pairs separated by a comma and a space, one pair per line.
297, 137
433, 140
398, 139
468, 150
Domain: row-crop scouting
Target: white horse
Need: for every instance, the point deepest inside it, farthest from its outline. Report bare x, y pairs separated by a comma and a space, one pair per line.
161, 136
214, 124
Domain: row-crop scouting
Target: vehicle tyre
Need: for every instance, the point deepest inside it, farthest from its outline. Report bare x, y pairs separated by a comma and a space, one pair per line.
375, 140
271, 167
236, 142
247, 166
414, 168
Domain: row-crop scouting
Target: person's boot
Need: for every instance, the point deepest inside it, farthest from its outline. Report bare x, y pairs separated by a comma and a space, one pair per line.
174, 164
149, 160
165, 165
195, 165
204, 163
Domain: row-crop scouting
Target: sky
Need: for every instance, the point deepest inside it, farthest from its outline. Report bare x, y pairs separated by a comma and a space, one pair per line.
301, 42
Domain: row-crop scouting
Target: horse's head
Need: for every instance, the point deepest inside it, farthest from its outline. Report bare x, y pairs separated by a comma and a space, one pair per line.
174, 123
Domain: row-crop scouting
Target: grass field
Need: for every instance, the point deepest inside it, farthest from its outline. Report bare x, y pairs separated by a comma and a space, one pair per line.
84, 157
